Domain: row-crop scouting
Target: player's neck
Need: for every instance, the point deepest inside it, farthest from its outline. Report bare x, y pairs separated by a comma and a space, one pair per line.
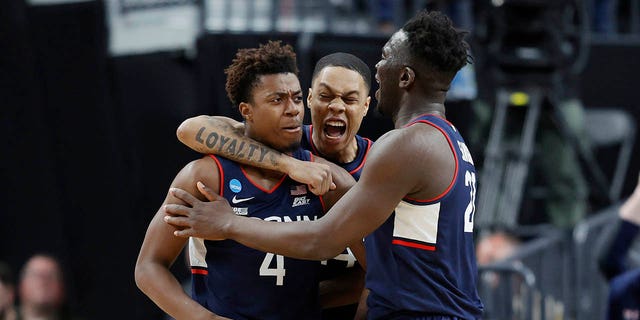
265, 178
345, 155
405, 115
349, 153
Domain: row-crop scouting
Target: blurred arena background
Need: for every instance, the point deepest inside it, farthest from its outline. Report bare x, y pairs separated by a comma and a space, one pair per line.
91, 93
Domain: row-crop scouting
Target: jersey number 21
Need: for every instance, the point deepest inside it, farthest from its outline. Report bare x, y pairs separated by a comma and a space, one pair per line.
469, 213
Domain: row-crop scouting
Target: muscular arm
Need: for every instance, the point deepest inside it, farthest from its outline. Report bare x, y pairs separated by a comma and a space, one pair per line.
160, 249
225, 137
416, 161
360, 211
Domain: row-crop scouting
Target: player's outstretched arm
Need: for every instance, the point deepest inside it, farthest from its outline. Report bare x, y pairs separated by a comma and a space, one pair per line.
225, 137
384, 182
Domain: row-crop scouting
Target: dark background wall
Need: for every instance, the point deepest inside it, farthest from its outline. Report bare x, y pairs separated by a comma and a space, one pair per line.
88, 143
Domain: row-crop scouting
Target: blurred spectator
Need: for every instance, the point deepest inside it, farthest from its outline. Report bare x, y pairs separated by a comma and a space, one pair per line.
384, 13
460, 11
41, 290
7, 293
496, 246
624, 282
463, 86
391, 14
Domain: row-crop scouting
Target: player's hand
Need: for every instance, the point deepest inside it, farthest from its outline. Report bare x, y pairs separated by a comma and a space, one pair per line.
200, 219
317, 176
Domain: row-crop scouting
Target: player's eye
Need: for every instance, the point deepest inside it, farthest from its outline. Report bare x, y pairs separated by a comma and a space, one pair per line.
351, 100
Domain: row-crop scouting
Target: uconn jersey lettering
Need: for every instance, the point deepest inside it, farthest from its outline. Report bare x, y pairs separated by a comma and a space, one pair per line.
346, 259
238, 282
422, 258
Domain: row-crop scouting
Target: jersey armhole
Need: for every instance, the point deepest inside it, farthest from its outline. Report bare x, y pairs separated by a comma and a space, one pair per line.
455, 172
221, 173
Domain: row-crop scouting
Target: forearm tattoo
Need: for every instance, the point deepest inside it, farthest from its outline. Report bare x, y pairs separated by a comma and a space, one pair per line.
234, 148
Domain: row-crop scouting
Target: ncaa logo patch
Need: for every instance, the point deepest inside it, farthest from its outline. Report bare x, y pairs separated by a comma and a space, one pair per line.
235, 186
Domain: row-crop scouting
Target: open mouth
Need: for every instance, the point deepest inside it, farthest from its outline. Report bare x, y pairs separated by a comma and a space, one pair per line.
334, 129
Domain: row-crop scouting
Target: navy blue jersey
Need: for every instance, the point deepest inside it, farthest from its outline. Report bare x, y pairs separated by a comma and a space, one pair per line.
238, 282
613, 258
421, 261
346, 259
624, 281
624, 296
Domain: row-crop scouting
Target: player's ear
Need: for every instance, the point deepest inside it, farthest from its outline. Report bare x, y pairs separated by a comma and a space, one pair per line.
246, 111
367, 101
309, 97
407, 77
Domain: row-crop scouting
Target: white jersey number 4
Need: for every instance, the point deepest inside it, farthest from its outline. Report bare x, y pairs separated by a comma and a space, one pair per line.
279, 271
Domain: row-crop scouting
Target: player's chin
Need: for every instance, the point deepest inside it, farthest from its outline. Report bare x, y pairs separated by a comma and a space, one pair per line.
294, 146
290, 140
291, 146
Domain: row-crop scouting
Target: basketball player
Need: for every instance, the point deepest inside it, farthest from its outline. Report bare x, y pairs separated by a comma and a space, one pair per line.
414, 202
230, 280
338, 99
622, 275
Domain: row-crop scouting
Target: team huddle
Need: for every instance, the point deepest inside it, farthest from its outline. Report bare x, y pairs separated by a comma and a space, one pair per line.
290, 221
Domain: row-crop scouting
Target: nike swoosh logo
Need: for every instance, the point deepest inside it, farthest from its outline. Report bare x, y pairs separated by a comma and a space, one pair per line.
234, 200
